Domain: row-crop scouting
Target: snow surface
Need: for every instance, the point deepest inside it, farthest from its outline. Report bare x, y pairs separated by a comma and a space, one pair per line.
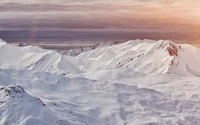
140, 82
144, 56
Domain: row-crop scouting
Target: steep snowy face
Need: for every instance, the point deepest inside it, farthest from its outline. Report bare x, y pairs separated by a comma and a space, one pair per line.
144, 56
169, 46
17, 107
184, 59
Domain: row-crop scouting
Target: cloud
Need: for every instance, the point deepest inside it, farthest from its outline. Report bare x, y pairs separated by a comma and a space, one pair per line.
121, 15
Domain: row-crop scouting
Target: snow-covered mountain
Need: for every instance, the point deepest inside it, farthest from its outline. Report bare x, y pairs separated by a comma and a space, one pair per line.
123, 97
140, 82
144, 56
34, 58
82, 101
79, 50
17, 107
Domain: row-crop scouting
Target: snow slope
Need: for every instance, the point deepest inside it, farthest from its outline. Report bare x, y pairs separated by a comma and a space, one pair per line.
34, 58
140, 82
144, 56
105, 101
17, 107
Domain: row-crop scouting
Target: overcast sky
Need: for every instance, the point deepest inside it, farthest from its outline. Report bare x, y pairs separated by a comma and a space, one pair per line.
129, 17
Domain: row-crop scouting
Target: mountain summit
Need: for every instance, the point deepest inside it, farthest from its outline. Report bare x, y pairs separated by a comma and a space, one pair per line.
144, 56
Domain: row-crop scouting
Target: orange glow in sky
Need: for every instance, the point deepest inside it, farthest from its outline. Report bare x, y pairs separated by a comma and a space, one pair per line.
122, 15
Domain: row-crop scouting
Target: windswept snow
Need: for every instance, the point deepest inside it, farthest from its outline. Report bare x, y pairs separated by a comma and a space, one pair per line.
140, 82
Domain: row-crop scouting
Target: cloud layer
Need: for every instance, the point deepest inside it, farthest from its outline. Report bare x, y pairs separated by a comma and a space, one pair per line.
89, 15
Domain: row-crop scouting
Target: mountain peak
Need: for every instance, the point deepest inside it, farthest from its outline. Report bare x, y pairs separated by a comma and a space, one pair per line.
18, 93
13, 90
169, 46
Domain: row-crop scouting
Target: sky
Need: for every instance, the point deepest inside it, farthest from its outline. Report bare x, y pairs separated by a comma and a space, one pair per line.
99, 20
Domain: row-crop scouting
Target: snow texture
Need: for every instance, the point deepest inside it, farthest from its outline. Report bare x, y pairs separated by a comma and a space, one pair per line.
139, 82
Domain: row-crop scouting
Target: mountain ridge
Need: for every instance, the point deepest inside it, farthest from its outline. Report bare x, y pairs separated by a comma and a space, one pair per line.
146, 56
